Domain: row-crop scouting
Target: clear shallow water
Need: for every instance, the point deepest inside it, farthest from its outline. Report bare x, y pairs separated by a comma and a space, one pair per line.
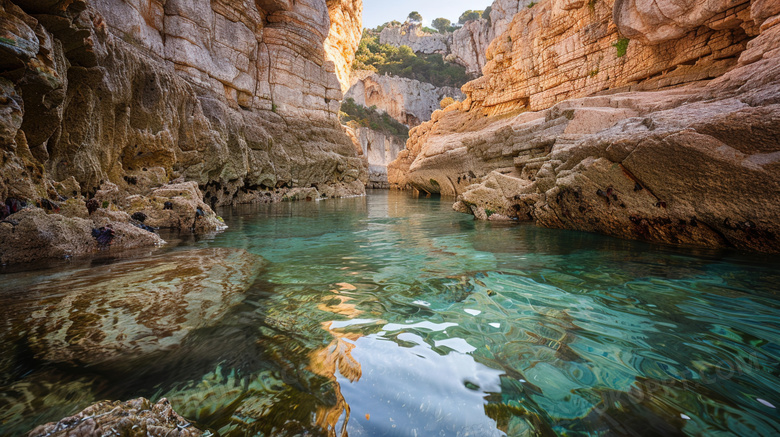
389, 315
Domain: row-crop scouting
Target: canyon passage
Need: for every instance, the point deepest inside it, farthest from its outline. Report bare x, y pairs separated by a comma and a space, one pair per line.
554, 217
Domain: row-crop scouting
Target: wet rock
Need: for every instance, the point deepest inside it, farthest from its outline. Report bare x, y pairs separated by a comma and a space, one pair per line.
43, 396
32, 234
176, 206
131, 309
137, 417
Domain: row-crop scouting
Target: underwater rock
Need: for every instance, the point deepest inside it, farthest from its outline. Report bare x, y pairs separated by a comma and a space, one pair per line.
44, 396
137, 417
134, 308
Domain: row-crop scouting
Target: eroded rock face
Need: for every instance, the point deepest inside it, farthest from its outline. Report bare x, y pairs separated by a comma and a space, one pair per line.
411, 102
134, 417
560, 49
693, 165
412, 35
466, 46
469, 45
233, 97
380, 150
346, 25
134, 308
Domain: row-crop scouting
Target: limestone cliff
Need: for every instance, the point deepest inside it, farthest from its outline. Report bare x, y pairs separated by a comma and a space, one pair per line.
379, 150
411, 102
412, 35
465, 46
238, 97
469, 45
231, 96
346, 18
610, 117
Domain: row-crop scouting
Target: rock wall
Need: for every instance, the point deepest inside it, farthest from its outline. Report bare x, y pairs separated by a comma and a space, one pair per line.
380, 150
346, 29
563, 49
469, 45
231, 96
411, 102
412, 35
466, 46
240, 98
693, 161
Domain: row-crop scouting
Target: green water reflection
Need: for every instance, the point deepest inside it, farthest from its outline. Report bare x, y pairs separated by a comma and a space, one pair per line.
389, 315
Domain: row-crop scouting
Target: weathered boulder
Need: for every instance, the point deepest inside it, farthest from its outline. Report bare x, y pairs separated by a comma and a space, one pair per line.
131, 309
134, 417
33, 234
175, 206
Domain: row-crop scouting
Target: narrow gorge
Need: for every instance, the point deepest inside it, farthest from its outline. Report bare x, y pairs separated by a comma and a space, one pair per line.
344, 218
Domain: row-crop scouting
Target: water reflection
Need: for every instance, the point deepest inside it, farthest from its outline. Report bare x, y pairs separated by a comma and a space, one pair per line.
395, 316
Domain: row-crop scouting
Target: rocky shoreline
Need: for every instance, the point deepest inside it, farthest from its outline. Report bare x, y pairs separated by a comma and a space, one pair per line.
672, 138
127, 99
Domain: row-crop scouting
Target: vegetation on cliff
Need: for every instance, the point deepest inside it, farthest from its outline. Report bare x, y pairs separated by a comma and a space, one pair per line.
403, 62
355, 115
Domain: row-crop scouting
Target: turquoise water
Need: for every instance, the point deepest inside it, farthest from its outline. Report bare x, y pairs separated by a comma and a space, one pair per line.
389, 315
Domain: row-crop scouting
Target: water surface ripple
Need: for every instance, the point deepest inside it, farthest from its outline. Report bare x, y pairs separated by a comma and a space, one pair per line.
395, 316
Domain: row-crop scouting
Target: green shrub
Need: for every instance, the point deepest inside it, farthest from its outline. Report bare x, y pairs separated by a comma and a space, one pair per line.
469, 15
622, 47
403, 62
355, 115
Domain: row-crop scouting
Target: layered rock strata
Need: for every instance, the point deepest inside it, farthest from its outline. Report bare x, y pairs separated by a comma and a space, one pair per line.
543, 138
242, 99
409, 101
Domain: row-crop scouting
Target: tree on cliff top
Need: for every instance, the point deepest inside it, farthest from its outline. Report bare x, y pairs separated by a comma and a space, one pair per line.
441, 24
469, 15
415, 17
403, 62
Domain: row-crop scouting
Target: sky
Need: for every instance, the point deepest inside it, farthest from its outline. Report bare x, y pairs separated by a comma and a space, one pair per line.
376, 12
